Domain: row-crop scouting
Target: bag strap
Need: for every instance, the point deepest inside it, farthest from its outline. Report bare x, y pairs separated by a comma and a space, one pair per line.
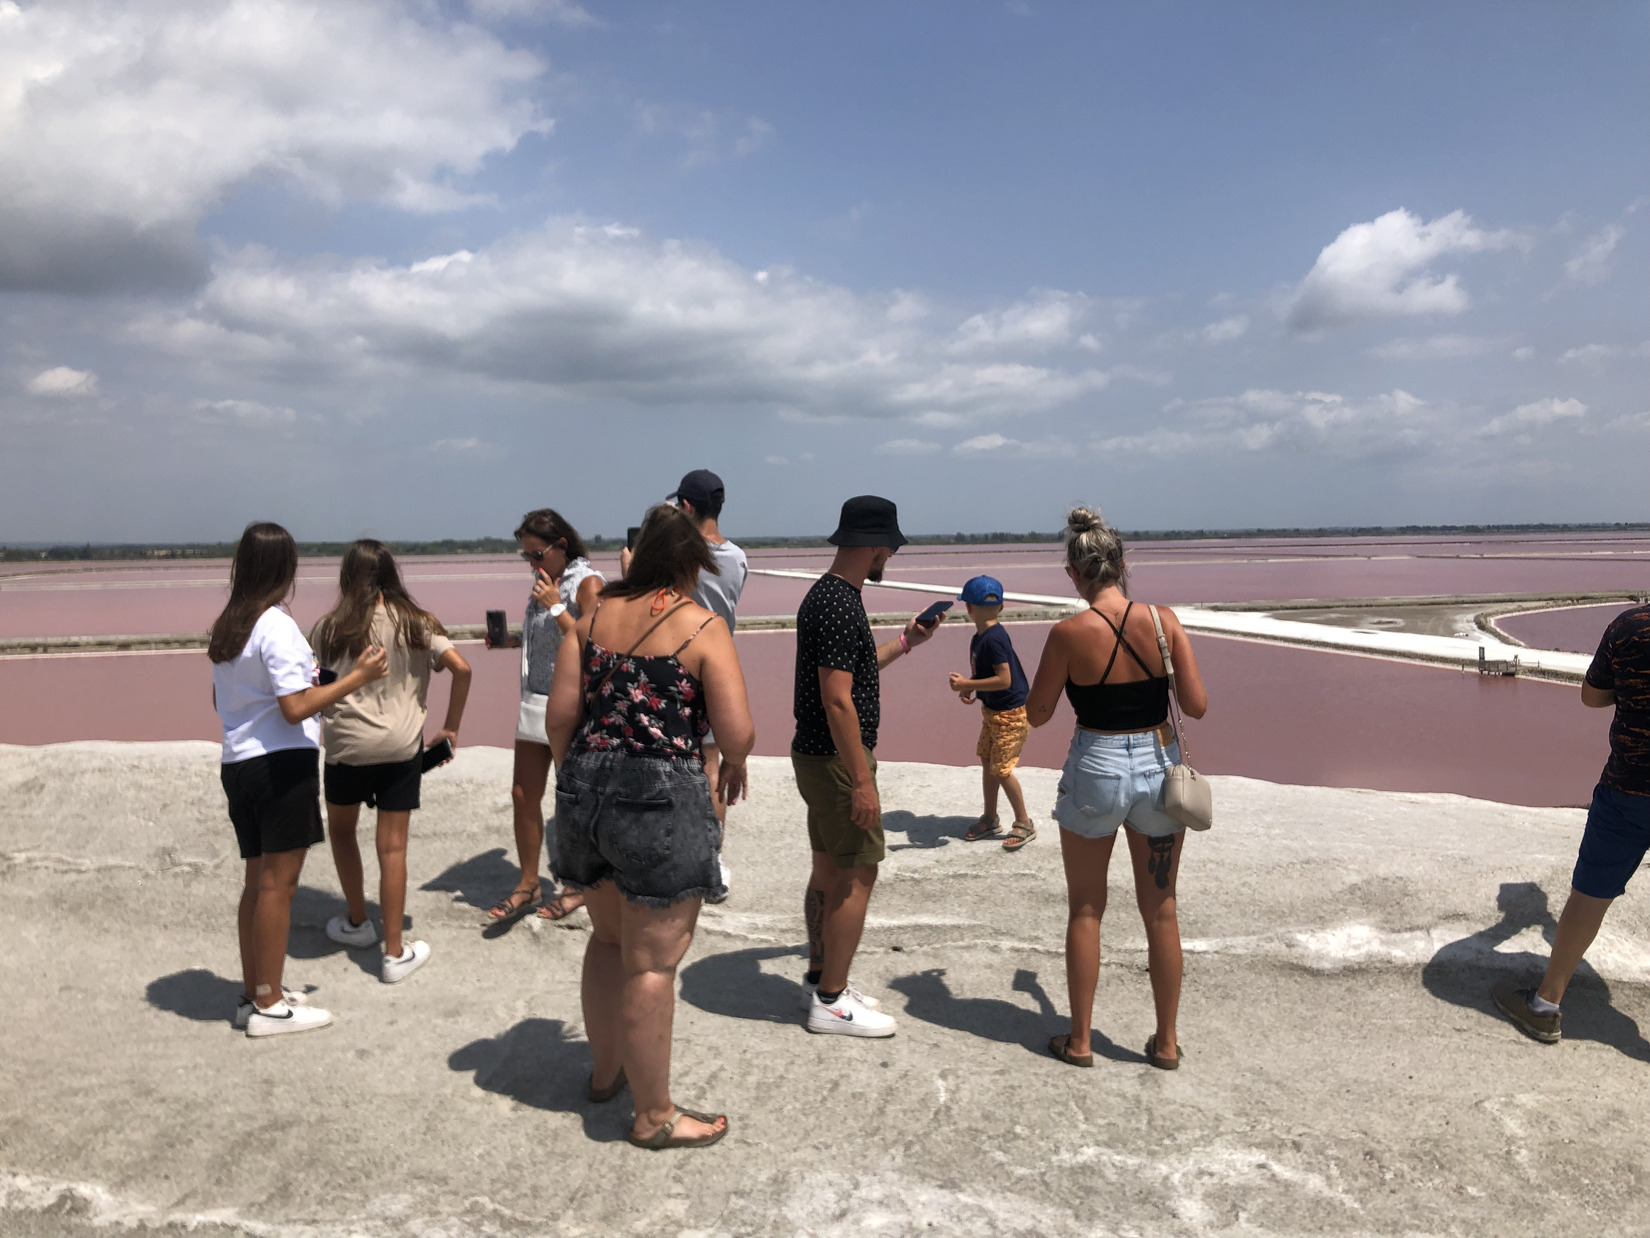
1174, 696
590, 697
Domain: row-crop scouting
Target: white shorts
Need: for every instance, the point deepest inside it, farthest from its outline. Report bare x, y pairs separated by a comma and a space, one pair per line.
530, 722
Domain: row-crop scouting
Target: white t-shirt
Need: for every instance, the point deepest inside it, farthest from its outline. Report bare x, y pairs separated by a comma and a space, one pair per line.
276, 662
720, 594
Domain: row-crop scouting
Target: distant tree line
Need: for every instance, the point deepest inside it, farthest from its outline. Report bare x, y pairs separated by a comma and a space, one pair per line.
91, 551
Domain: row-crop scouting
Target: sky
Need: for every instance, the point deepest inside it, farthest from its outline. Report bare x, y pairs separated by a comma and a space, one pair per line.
409, 269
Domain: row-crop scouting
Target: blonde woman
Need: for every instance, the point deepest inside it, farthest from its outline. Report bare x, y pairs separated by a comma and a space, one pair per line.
1106, 661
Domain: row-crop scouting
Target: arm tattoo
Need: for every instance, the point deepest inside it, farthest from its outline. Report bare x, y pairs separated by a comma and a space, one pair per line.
1160, 863
813, 911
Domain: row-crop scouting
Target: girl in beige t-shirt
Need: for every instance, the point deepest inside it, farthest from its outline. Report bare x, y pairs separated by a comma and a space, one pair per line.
374, 740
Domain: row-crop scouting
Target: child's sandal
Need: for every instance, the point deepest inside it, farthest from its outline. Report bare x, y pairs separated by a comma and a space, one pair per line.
1022, 833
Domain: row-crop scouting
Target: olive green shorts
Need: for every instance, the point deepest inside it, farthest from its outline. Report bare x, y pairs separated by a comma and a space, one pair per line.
823, 782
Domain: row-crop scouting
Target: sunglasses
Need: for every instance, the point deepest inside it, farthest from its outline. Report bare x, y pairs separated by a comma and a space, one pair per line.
537, 556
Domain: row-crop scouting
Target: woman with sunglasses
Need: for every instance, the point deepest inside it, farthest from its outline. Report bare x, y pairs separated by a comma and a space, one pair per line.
565, 587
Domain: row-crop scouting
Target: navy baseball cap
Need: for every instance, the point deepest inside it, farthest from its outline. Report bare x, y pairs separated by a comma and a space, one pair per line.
983, 591
700, 487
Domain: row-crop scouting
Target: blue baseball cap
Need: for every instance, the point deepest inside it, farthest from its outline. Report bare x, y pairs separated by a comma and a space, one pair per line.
983, 591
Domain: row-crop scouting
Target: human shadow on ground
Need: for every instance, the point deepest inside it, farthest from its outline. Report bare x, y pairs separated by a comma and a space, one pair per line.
924, 832
195, 993
1462, 972
538, 1064
311, 909
479, 881
929, 998
734, 985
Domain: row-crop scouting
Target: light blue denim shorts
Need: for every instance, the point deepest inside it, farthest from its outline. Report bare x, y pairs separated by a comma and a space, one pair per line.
1112, 779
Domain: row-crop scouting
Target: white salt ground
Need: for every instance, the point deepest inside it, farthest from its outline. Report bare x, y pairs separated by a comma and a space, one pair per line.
1345, 1073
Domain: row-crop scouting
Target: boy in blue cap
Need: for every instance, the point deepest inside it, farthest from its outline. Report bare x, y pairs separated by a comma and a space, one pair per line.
1000, 683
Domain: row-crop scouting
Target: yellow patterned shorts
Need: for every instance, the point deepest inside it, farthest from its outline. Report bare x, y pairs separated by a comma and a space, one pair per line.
1002, 736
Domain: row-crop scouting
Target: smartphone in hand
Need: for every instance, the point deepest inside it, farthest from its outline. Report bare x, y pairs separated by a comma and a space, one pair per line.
435, 754
932, 616
630, 535
498, 635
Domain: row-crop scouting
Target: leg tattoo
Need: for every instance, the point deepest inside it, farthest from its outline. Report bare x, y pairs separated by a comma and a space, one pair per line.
813, 911
1160, 863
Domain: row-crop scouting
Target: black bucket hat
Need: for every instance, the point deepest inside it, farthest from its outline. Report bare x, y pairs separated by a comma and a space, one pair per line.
868, 520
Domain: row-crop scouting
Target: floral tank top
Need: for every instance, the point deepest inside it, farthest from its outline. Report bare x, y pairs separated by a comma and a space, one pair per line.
644, 706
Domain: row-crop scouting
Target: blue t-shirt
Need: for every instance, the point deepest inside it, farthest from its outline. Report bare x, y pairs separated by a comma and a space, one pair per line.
989, 650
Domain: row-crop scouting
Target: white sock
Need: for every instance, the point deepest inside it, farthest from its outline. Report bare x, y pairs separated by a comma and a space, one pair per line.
1540, 1005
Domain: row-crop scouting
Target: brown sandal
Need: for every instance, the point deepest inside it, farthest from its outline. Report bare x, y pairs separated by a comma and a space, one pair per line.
1021, 833
985, 827
1163, 1063
1060, 1047
555, 910
665, 1136
600, 1096
507, 908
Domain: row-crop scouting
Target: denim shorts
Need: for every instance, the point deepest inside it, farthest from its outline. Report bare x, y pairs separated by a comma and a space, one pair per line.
645, 822
1112, 779
1614, 842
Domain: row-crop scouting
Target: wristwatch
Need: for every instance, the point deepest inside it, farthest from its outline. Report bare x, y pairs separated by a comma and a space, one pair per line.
557, 609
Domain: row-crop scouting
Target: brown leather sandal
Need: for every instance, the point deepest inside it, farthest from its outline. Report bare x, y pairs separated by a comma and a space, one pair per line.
665, 1136
517, 901
1163, 1063
985, 827
1022, 833
1060, 1047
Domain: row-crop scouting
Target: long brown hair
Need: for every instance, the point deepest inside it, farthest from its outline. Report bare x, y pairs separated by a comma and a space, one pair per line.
260, 576
551, 527
368, 573
668, 550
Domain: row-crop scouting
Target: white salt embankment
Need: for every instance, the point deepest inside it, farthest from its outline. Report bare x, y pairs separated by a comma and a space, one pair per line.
1345, 1073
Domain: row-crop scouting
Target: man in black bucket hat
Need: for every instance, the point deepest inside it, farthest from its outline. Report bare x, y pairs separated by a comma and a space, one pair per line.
838, 707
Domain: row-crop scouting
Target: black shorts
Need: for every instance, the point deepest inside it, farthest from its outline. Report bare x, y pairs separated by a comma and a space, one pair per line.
275, 801
388, 788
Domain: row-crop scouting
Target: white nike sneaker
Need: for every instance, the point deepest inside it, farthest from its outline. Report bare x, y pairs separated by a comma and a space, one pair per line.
414, 954
847, 1017
282, 1018
808, 991
244, 1005
340, 930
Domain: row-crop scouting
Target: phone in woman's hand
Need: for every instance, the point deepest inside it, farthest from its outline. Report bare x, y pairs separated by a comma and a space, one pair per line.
932, 616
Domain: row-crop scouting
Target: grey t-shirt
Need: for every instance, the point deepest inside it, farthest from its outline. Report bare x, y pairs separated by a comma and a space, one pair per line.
541, 635
720, 594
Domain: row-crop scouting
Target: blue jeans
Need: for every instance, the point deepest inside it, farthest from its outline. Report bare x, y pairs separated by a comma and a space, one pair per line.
1614, 842
1112, 779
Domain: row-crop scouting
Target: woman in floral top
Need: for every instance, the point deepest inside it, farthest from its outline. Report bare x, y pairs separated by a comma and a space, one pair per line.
635, 829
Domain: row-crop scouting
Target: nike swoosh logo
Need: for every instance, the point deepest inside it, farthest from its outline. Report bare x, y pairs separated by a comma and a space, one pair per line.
267, 1015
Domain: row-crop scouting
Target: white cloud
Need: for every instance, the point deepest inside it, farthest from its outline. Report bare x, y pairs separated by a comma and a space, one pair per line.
1226, 330
1588, 354
708, 137
122, 126
1036, 326
908, 447
1539, 413
60, 380
563, 12
243, 413
1596, 258
1435, 347
1381, 269
456, 446
1525, 353
984, 444
777, 462
1318, 423
579, 310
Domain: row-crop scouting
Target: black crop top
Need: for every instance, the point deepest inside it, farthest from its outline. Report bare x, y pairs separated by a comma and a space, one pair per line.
1137, 706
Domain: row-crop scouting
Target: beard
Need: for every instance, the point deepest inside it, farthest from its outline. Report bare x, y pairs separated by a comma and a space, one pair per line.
874, 575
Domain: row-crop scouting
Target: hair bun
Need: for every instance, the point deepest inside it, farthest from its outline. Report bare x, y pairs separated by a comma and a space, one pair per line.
1084, 520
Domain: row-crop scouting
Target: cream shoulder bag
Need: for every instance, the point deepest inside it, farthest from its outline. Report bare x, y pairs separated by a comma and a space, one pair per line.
1186, 795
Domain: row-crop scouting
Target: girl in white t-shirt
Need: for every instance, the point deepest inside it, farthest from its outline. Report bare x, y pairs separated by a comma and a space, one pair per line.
565, 587
264, 689
375, 740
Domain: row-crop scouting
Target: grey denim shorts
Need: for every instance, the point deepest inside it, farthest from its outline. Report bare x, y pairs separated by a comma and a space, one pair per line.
645, 822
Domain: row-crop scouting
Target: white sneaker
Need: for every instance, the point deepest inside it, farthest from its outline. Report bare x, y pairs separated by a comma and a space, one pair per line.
244, 1005
808, 991
847, 1017
340, 930
282, 1018
414, 954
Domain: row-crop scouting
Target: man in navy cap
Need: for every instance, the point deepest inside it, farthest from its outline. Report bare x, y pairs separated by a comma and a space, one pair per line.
838, 706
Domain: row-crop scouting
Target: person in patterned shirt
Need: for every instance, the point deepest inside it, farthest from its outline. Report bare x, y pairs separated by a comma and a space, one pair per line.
838, 707
1618, 822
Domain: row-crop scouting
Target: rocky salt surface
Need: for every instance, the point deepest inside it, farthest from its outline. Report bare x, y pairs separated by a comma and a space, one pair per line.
1345, 1073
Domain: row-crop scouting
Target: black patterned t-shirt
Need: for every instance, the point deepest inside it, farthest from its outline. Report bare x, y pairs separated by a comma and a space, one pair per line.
832, 631
1622, 666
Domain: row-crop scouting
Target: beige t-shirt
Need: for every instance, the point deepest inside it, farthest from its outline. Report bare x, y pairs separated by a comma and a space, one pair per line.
383, 722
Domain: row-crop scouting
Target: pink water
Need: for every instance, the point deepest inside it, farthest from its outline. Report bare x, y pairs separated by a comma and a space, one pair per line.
1574, 630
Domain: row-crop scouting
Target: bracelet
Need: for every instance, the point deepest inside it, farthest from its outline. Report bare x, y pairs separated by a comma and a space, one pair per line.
904, 642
